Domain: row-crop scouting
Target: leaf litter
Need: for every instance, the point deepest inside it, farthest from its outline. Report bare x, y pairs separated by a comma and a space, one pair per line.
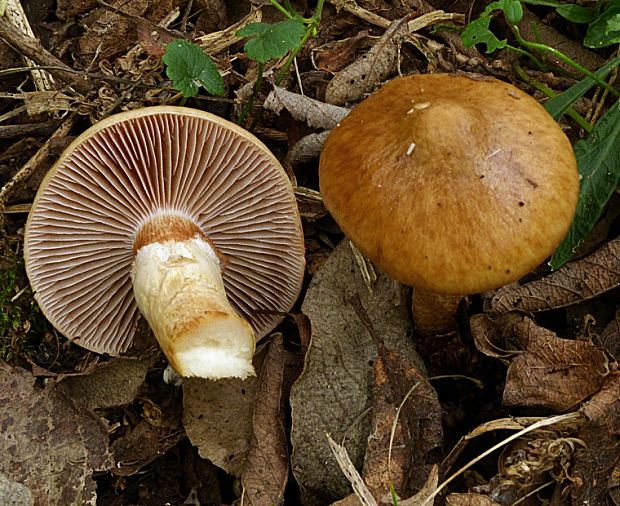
555, 339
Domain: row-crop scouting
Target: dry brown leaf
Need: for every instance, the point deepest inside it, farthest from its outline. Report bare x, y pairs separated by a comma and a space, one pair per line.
370, 69
469, 500
610, 337
332, 394
113, 383
107, 33
576, 281
494, 336
142, 446
418, 432
424, 493
552, 372
217, 416
333, 57
595, 463
266, 469
314, 113
48, 444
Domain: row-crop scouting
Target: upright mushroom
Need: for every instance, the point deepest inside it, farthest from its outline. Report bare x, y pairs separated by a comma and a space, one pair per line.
176, 213
453, 184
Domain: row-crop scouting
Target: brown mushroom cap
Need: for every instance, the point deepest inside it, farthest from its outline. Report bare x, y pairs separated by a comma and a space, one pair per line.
453, 184
128, 168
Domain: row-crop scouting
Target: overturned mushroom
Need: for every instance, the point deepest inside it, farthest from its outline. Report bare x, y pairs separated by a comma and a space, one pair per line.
453, 184
176, 214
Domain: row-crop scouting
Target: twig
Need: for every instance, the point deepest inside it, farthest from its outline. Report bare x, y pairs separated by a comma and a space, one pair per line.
35, 162
16, 15
32, 48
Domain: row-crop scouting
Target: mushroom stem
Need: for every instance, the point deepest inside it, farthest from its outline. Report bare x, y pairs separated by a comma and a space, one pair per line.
179, 289
434, 313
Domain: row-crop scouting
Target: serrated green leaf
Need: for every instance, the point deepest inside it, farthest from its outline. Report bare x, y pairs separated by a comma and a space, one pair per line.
598, 159
272, 41
576, 13
605, 30
190, 67
559, 104
477, 32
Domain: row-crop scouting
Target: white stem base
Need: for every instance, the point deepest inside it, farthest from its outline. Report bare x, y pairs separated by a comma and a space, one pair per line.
179, 289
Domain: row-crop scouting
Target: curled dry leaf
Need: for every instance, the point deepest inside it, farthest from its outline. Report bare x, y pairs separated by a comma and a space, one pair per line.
370, 69
266, 469
552, 372
596, 469
217, 416
332, 394
314, 113
494, 336
576, 281
306, 149
48, 444
110, 384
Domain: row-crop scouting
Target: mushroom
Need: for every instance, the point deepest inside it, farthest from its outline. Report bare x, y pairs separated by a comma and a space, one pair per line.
452, 184
176, 214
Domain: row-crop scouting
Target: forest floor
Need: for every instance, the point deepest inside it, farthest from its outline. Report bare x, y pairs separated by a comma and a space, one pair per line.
519, 404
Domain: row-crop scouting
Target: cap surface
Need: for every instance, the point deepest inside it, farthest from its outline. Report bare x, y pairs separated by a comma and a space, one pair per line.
135, 165
454, 184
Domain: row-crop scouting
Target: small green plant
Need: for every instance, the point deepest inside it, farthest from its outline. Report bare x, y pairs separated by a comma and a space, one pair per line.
14, 322
268, 42
190, 68
598, 156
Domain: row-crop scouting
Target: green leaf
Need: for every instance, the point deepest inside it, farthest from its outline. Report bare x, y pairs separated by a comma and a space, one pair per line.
598, 159
272, 41
576, 13
513, 10
559, 104
190, 67
605, 30
477, 32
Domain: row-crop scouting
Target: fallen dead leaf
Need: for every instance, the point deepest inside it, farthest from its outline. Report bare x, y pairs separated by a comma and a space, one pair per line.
425, 492
333, 392
552, 372
48, 444
266, 469
574, 282
314, 113
106, 385
142, 445
335, 56
406, 426
370, 69
595, 471
469, 500
217, 416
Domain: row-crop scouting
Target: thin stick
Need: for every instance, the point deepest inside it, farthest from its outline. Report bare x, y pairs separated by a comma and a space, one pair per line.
31, 165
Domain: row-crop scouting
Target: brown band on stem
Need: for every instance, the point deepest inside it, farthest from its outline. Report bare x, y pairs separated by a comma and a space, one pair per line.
172, 227
166, 227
